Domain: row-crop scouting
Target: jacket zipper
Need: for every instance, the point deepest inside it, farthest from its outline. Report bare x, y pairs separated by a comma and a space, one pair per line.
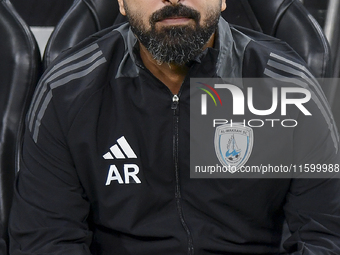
175, 108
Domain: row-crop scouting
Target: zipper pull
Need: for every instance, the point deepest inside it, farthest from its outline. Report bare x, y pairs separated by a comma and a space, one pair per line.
175, 101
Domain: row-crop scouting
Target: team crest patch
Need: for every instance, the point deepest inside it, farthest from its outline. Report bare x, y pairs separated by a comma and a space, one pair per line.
233, 145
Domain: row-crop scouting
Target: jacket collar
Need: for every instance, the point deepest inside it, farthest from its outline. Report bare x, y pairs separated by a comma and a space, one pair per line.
229, 53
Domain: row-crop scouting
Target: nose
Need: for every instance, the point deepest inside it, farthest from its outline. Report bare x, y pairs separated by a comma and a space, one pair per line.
173, 2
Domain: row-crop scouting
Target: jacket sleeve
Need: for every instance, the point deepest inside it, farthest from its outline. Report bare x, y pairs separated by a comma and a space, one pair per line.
50, 209
312, 205
313, 216
3, 245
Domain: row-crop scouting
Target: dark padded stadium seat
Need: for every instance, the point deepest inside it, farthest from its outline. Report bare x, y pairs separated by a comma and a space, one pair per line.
20, 66
289, 21
84, 18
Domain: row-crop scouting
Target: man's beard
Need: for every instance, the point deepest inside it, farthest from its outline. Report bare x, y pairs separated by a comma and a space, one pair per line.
176, 44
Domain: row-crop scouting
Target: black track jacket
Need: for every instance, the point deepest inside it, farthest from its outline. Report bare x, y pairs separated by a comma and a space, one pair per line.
105, 164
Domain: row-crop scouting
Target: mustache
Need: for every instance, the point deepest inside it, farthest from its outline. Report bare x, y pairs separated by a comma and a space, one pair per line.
178, 10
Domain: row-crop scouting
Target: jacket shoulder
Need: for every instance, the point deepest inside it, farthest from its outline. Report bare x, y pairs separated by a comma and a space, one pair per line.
75, 75
263, 49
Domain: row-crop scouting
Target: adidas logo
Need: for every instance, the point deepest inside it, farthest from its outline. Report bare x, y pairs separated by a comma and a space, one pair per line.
129, 172
121, 150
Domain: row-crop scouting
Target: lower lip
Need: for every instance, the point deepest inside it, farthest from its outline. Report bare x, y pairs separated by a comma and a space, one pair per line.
175, 21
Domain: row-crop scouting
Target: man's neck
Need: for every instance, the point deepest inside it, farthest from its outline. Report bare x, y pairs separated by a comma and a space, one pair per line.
170, 74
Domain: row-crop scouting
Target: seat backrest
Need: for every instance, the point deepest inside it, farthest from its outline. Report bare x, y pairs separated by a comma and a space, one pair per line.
289, 21
84, 18
20, 66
